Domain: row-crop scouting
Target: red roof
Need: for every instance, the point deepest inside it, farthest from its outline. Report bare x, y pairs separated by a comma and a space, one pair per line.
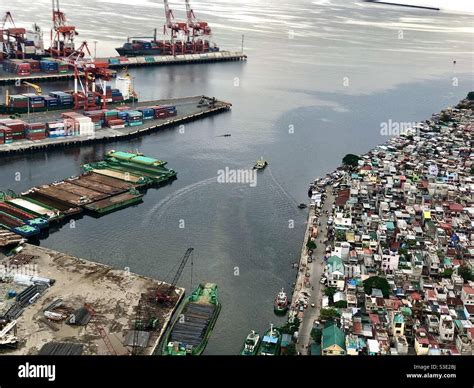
366, 168
374, 318
456, 207
468, 290
415, 296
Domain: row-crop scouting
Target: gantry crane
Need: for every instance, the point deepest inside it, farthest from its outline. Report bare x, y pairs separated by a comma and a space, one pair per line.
176, 29
164, 297
12, 39
88, 72
62, 34
196, 30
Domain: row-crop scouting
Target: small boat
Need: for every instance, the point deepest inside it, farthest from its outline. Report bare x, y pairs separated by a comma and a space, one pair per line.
251, 344
281, 302
271, 342
261, 164
302, 206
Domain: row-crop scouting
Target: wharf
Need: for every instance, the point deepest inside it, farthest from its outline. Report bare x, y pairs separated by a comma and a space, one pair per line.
187, 107
112, 295
157, 60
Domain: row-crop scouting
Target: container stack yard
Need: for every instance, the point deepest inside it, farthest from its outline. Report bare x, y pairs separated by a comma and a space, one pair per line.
186, 41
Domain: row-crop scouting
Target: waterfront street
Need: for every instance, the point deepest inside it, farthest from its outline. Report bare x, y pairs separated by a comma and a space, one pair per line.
316, 271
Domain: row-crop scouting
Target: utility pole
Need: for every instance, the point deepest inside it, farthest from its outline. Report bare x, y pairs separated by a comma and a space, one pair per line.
95, 49
242, 49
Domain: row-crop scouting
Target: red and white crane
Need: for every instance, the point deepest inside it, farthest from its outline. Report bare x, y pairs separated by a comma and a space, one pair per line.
62, 34
12, 38
197, 29
88, 74
176, 29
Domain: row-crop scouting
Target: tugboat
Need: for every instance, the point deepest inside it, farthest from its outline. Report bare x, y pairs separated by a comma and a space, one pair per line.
261, 164
281, 303
251, 344
270, 345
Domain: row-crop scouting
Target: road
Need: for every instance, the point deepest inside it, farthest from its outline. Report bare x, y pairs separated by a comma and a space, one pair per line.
316, 270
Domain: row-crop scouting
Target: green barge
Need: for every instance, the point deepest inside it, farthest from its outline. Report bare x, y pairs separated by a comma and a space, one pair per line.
195, 321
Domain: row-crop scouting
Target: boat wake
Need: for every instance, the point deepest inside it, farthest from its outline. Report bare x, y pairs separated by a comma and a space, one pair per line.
166, 203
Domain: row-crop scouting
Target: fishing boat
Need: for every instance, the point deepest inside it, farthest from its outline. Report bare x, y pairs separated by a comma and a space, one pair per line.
189, 336
271, 341
281, 302
260, 164
251, 344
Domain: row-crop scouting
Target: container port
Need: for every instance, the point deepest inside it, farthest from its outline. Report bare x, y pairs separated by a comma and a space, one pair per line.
25, 58
73, 129
97, 191
53, 303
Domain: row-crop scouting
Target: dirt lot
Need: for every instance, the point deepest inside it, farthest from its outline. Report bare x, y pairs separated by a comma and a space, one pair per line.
112, 294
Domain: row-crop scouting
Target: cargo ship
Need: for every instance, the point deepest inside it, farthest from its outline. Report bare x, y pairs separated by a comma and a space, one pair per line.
137, 48
281, 303
270, 344
200, 312
251, 344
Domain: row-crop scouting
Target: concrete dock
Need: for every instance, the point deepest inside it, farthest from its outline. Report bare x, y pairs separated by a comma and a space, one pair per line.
157, 60
187, 107
112, 295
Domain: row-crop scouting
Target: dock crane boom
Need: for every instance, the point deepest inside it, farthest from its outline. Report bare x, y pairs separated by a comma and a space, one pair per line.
165, 296
62, 34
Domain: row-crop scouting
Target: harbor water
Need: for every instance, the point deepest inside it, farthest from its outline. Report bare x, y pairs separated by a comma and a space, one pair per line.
322, 79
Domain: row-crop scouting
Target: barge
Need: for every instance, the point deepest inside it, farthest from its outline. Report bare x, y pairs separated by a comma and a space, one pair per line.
17, 226
200, 312
115, 202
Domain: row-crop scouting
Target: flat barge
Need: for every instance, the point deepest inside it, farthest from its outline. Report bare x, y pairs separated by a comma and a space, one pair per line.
188, 109
200, 311
92, 191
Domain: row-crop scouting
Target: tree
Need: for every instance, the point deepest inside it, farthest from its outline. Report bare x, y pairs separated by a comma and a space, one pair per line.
311, 244
465, 272
329, 291
470, 96
340, 304
447, 273
350, 160
316, 334
377, 282
328, 313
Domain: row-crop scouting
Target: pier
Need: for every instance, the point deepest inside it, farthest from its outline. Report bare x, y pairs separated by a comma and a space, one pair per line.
121, 62
187, 107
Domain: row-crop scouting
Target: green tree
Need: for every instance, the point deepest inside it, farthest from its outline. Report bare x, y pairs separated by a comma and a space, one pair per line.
350, 160
377, 282
316, 334
328, 313
465, 272
470, 96
311, 244
329, 291
340, 304
447, 273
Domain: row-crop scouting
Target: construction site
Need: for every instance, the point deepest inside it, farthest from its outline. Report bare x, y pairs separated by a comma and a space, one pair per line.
55, 304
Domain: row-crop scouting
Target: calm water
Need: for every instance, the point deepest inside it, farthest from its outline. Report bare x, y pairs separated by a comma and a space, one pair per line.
321, 78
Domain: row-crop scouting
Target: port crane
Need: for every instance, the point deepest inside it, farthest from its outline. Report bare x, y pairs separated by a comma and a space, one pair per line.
62, 34
175, 29
88, 72
12, 39
164, 297
198, 27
